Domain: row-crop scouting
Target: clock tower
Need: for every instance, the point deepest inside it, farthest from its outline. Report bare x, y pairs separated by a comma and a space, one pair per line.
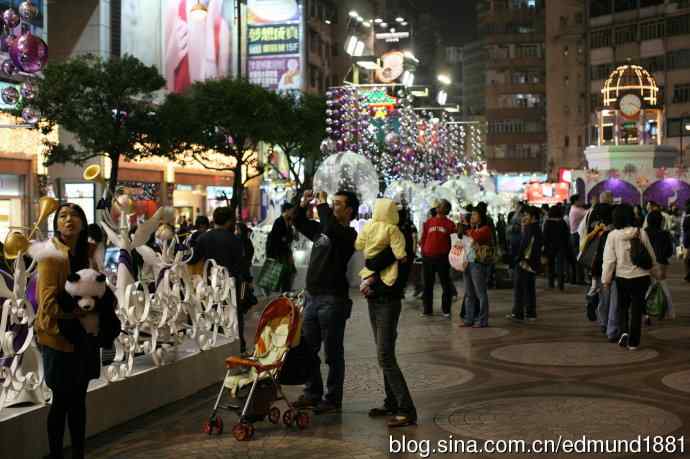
630, 124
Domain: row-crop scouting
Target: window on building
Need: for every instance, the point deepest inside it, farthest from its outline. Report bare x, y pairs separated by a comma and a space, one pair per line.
599, 8
646, 3
314, 76
653, 64
579, 141
625, 5
564, 21
678, 25
314, 8
681, 93
676, 126
579, 18
566, 141
565, 50
626, 34
651, 30
566, 80
527, 51
679, 59
600, 38
600, 72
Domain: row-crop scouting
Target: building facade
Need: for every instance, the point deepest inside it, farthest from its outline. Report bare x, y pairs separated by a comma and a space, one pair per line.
567, 85
515, 89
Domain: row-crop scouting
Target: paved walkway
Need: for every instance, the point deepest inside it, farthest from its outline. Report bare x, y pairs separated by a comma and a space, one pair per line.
556, 377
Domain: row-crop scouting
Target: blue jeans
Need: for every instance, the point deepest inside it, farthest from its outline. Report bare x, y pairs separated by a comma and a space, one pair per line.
324, 322
477, 294
384, 313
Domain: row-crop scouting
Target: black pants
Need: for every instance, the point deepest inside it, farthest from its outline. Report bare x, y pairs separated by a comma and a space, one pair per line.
631, 293
577, 270
72, 406
557, 262
524, 294
384, 313
440, 266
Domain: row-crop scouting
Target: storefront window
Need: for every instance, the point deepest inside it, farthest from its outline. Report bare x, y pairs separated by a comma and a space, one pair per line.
216, 196
82, 194
11, 214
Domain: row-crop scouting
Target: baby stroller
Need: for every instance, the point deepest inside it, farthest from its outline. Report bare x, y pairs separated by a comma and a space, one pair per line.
258, 386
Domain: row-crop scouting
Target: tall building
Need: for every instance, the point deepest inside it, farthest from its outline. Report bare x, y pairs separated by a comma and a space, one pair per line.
654, 34
474, 62
515, 98
323, 44
567, 84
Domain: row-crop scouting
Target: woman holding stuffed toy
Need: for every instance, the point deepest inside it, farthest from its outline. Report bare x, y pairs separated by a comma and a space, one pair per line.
69, 346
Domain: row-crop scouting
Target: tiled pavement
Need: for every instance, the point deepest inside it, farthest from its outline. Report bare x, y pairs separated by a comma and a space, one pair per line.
556, 377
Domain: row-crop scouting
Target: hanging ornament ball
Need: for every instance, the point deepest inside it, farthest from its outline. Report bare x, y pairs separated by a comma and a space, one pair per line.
8, 67
27, 10
392, 139
10, 95
11, 18
348, 171
29, 53
7, 42
27, 90
328, 146
30, 115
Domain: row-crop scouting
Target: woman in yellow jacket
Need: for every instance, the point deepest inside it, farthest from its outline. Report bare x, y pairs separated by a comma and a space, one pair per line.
69, 364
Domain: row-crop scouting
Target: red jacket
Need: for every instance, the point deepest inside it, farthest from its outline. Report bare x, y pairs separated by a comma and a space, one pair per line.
481, 235
435, 240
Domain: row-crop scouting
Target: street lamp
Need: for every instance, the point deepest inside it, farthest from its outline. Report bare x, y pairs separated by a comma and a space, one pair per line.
442, 97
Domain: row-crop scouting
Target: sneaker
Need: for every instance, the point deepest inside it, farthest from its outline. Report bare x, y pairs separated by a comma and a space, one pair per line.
304, 402
381, 412
623, 342
446, 315
424, 314
632, 348
531, 319
401, 421
325, 407
514, 317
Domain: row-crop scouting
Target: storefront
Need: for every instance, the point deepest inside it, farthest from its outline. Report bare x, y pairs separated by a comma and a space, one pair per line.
13, 202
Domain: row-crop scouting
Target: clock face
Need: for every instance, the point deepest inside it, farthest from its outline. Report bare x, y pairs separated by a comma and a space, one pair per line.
630, 105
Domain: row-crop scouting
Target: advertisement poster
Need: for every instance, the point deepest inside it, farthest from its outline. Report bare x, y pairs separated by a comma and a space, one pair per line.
186, 48
36, 23
274, 44
547, 193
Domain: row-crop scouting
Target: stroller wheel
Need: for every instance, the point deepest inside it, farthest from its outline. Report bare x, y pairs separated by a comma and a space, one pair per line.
243, 431
213, 425
303, 420
274, 415
289, 417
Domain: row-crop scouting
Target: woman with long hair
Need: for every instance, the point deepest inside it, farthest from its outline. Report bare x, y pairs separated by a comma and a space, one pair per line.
632, 281
69, 363
662, 242
477, 272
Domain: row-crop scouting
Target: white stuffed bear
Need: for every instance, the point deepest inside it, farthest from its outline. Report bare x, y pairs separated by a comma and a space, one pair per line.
87, 287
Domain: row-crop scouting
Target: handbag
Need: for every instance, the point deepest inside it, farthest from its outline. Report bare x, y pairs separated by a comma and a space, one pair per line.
639, 255
486, 254
271, 274
589, 254
656, 304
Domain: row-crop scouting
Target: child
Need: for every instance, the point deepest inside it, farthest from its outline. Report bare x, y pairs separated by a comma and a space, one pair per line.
377, 235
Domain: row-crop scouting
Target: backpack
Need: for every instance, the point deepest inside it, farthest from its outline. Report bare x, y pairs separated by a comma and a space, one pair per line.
639, 255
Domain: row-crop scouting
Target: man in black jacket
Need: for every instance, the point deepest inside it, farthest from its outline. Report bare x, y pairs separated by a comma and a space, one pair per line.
327, 304
527, 264
221, 244
279, 244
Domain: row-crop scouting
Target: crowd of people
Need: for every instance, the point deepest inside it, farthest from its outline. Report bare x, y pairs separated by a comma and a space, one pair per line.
614, 249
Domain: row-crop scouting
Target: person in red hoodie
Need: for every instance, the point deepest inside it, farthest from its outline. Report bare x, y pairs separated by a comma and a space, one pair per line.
435, 244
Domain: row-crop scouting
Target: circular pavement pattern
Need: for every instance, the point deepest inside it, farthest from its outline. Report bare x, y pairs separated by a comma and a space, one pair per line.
547, 417
571, 354
225, 446
364, 380
671, 334
679, 381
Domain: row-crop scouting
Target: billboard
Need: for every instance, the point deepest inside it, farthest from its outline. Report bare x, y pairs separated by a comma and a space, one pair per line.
185, 49
274, 44
547, 193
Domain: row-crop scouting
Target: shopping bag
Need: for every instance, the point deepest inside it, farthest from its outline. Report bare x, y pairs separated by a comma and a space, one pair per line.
458, 257
656, 304
271, 274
